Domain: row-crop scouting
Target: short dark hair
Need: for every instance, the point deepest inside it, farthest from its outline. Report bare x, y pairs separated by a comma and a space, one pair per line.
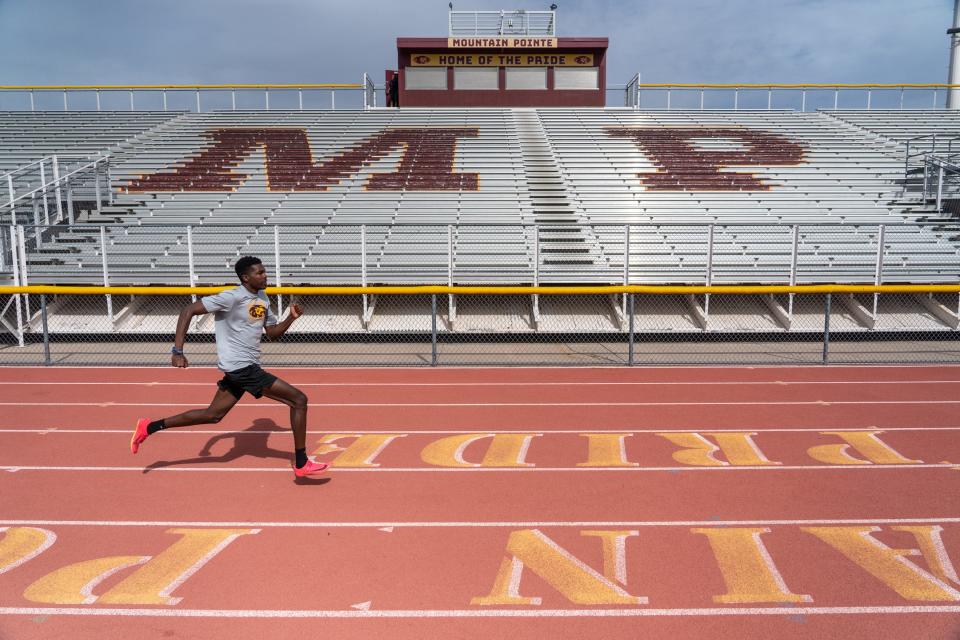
243, 265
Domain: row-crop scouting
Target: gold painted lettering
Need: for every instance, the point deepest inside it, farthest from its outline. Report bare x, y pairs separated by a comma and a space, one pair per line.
505, 450
887, 565
614, 546
74, 583
933, 551
152, 583
738, 448
746, 566
606, 450
865, 442
575, 580
20, 544
360, 453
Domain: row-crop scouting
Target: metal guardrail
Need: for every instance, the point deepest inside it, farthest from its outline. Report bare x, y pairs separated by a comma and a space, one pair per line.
65, 177
801, 97
705, 252
502, 23
369, 93
937, 158
160, 95
798, 96
918, 147
941, 172
631, 92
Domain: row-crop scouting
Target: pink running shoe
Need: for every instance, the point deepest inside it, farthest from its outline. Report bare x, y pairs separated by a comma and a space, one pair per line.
139, 434
311, 468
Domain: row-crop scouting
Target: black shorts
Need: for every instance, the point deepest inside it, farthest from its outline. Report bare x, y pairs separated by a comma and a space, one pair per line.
251, 379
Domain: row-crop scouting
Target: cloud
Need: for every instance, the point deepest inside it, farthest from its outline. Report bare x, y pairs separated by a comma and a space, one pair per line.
289, 41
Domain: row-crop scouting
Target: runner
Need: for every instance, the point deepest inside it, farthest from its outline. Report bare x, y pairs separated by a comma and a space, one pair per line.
242, 315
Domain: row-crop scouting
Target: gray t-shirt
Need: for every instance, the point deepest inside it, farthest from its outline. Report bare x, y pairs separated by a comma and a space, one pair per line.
239, 322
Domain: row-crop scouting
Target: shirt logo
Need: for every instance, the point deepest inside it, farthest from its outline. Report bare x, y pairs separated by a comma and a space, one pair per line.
256, 311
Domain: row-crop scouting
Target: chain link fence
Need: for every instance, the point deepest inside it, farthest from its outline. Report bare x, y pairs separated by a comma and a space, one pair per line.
596, 329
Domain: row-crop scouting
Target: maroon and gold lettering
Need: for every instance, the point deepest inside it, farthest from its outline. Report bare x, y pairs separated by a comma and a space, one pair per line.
686, 167
427, 163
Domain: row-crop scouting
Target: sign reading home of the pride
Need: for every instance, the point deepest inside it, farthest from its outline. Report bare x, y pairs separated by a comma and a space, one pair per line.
499, 43
501, 60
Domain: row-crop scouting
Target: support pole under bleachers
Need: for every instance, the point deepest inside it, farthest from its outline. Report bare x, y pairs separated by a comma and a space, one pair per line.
953, 76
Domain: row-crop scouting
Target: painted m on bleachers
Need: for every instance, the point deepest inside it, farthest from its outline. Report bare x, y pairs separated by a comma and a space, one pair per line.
426, 165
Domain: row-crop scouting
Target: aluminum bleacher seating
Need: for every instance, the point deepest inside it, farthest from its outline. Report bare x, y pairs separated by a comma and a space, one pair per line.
29, 136
482, 181
900, 126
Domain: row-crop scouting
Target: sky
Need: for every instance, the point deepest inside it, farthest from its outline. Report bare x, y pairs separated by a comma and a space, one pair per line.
49, 42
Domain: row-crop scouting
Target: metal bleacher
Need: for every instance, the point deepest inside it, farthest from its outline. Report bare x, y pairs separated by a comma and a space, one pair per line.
556, 191
26, 136
321, 229
899, 126
844, 188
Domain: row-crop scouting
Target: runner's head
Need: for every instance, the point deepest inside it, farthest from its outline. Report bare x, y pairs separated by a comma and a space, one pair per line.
251, 272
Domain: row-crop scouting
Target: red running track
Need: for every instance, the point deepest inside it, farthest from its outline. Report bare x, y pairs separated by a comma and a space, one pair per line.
668, 502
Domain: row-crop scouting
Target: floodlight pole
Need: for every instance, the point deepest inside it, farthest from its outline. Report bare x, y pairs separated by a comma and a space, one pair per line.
953, 77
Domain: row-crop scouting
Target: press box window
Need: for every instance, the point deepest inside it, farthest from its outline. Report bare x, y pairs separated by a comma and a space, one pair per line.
466, 78
526, 77
576, 78
425, 78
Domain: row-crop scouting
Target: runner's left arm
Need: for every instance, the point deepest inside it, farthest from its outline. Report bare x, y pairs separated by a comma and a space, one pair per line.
274, 331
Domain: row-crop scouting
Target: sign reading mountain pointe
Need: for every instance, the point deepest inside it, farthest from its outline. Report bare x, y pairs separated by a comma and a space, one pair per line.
502, 43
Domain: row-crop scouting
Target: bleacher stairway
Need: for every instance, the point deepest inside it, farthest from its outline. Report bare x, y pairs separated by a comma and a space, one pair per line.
564, 238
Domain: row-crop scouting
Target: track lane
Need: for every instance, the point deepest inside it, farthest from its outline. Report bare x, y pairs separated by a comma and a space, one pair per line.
511, 417
567, 394
425, 572
366, 375
481, 496
797, 627
264, 442
424, 569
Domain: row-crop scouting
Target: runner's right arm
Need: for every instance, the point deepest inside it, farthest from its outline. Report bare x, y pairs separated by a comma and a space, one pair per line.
183, 323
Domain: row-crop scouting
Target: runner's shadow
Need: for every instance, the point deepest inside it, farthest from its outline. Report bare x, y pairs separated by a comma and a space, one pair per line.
252, 441
310, 481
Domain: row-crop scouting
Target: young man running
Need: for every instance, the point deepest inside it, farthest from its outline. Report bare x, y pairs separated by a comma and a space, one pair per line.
242, 315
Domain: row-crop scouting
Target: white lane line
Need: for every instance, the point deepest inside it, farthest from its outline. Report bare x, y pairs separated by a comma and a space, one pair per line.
455, 524
779, 383
223, 469
478, 613
823, 403
348, 430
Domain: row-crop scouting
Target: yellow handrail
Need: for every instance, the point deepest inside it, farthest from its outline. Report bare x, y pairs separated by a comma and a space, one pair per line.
661, 85
495, 290
114, 87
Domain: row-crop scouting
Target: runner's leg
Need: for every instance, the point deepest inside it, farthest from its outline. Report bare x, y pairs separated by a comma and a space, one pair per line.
222, 402
297, 401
